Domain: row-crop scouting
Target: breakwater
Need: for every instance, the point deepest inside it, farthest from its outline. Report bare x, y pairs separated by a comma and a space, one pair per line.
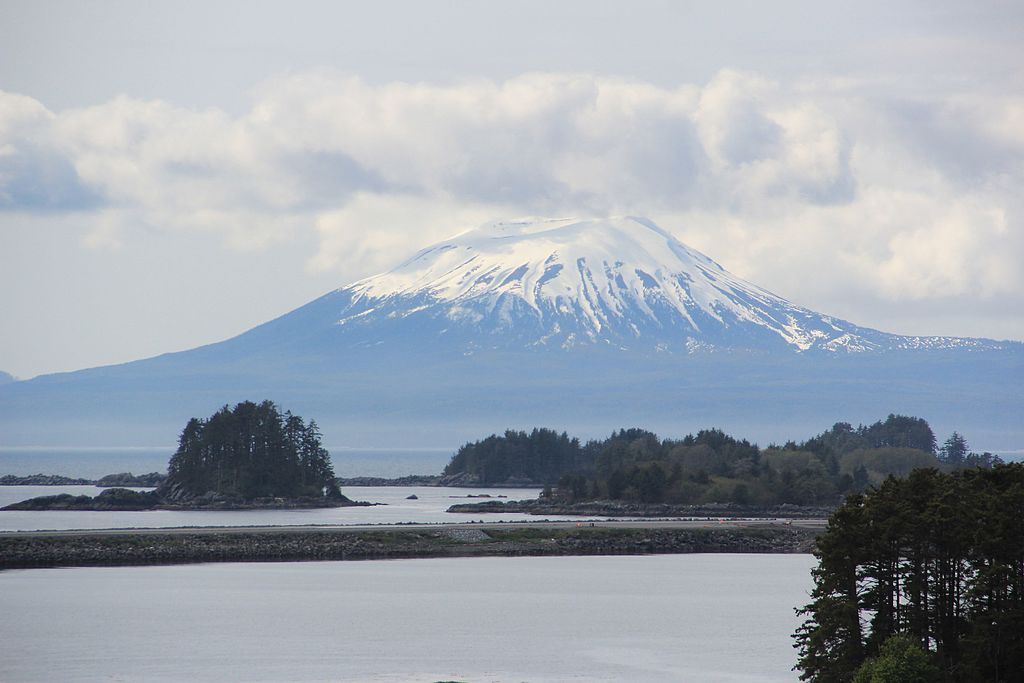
618, 508
179, 546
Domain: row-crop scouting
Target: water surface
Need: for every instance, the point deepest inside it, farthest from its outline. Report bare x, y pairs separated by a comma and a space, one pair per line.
429, 507
655, 618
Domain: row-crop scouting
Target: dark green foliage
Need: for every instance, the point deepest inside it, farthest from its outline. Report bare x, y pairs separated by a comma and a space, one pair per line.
897, 431
938, 558
902, 660
541, 456
956, 453
251, 451
126, 499
954, 450
707, 467
128, 479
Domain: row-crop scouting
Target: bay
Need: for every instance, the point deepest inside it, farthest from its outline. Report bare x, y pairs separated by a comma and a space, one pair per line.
712, 618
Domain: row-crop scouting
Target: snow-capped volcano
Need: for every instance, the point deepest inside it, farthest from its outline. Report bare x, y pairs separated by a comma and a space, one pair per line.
622, 282
583, 325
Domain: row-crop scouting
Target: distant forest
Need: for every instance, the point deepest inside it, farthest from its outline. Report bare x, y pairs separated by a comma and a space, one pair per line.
712, 466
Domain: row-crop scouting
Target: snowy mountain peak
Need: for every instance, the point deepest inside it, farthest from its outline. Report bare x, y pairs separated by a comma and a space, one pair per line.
621, 281
598, 266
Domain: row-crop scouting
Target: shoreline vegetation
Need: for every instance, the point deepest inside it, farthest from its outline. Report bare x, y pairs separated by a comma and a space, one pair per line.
921, 579
185, 546
253, 455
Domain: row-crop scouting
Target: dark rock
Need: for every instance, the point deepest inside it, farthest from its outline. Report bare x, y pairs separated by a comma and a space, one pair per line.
111, 499
42, 480
63, 501
617, 508
412, 497
172, 498
239, 545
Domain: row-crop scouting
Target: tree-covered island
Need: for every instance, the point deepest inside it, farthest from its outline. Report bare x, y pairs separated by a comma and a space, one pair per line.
248, 452
252, 455
636, 466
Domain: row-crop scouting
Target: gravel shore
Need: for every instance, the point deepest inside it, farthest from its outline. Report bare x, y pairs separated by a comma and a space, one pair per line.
188, 546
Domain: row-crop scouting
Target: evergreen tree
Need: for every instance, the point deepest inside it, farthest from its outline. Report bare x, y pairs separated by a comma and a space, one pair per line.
902, 660
954, 451
251, 451
938, 558
709, 466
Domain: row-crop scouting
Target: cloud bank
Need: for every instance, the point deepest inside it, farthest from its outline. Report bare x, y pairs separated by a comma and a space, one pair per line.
833, 195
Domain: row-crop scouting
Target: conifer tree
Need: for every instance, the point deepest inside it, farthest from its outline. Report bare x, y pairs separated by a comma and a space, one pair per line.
251, 451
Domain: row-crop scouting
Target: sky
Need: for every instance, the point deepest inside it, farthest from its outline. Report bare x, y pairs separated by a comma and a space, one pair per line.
174, 173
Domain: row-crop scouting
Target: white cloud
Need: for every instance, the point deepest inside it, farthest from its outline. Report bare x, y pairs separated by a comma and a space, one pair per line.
372, 231
828, 192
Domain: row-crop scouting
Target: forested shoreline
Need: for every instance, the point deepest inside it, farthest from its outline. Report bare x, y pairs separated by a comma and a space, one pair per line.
923, 576
636, 466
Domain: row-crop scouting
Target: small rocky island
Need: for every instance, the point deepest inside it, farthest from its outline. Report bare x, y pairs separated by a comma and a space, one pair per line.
247, 457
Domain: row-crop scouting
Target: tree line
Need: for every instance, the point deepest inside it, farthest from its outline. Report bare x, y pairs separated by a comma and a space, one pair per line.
712, 466
252, 451
924, 576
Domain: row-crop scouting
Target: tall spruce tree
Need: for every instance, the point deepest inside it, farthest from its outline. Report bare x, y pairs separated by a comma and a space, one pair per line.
251, 451
938, 558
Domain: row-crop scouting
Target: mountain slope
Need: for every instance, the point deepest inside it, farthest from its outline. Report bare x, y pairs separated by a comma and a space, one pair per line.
578, 325
565, 283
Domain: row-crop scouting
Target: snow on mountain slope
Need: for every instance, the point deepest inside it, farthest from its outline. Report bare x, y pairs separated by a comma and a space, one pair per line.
622, 282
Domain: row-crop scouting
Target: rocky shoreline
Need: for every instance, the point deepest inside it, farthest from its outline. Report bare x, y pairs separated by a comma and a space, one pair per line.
461, 480
44, 480
150, 480
615, 508
126, 500
290, 545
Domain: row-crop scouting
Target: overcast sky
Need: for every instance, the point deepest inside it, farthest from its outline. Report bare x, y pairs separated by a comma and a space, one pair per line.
174, 173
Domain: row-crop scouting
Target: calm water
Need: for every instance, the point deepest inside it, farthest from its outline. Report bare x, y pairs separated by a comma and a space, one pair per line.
92, 463
661, 618
430, 507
